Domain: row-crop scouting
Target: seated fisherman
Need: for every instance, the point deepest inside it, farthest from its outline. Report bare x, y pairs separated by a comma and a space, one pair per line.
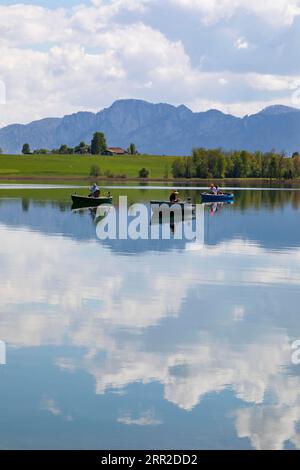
213, 189
95, 191
174, 197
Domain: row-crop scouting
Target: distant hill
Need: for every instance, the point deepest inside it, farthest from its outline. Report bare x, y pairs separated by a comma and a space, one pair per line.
162, 129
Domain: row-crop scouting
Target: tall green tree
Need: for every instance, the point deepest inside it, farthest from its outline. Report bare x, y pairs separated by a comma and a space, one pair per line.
98, 144
132, 149
82, 149
216, 163
178, 168
273, 167
296, 163
288, 171
188, 167
65, 150
246, 163
238, 165
26, 149
256, 165
200, 163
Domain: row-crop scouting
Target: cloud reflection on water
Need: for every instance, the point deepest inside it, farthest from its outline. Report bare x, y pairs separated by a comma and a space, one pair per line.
197, 322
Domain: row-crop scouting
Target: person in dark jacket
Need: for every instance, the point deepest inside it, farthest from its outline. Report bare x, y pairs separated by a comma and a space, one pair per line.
174, 197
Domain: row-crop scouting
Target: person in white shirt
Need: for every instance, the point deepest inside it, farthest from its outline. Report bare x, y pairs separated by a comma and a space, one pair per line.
95, 191
213, 189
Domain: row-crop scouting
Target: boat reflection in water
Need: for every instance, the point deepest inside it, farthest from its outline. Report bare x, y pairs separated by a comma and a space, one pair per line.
174, 216
98, 214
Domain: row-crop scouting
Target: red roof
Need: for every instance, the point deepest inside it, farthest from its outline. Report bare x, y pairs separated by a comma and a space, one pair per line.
116, 150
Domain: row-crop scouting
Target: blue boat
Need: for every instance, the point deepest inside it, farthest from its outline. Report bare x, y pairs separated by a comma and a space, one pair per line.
208, 197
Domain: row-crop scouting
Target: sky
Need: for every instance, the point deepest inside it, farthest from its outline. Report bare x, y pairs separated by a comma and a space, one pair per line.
60, 57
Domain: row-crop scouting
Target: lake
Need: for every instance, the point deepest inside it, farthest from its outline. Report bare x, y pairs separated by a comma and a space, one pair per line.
149, 344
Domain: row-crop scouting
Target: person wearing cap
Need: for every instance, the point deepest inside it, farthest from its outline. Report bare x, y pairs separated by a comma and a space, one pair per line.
95, 191
174, 196
218, 189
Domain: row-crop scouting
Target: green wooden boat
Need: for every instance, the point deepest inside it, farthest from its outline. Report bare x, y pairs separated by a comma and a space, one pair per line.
85, 201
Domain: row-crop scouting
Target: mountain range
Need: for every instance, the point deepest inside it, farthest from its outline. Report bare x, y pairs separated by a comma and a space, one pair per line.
162, 129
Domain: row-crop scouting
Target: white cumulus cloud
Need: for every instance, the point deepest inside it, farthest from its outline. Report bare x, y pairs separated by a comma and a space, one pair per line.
278, 12
63, 60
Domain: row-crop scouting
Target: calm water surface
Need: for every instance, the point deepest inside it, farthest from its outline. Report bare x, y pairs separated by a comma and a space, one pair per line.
149, 344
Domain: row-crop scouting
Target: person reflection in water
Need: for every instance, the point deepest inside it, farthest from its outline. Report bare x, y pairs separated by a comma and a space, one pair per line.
215, 207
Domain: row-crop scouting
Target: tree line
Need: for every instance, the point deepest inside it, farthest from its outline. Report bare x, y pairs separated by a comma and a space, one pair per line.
217, 163
98, 146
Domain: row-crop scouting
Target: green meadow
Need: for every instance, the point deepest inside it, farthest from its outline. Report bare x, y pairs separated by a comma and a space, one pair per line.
79, 167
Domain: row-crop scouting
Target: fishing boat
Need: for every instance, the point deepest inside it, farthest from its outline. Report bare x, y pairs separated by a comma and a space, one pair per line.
85, 201
208, 197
